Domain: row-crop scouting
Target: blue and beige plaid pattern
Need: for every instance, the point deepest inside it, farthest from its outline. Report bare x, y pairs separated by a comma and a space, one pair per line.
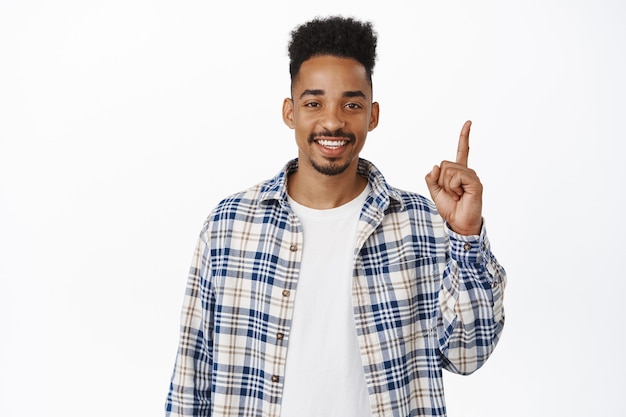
424, 299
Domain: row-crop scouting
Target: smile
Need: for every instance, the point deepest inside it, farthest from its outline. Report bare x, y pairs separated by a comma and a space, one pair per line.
332, 144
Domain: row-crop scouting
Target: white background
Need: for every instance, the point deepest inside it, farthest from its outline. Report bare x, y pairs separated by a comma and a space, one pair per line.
122, 123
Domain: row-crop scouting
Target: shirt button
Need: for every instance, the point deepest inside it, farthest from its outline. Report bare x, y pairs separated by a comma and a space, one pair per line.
275, 378
495, 284
280, 336
293, 247
467, 246
286, 293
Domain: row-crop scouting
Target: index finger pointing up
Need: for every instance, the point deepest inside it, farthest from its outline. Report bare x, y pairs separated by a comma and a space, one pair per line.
462, 152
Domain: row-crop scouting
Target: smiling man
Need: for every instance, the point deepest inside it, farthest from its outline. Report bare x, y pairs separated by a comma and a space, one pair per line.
324, 291
331, 112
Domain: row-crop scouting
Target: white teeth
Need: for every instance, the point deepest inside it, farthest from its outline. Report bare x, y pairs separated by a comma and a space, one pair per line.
332, 143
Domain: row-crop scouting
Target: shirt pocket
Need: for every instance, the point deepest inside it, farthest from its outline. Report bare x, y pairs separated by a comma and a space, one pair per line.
411, 289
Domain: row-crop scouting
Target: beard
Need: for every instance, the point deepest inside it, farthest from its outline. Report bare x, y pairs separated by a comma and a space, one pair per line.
332, 167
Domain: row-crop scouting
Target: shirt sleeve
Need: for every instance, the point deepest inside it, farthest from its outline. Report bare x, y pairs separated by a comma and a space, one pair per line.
190, 387
471, 303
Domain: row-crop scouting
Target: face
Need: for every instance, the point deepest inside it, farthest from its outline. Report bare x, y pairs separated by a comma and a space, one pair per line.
331, 111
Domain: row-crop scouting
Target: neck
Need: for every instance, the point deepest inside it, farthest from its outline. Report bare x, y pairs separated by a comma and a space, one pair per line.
319, 191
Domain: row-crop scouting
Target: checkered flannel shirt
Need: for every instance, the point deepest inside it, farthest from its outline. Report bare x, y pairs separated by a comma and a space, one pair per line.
424, 299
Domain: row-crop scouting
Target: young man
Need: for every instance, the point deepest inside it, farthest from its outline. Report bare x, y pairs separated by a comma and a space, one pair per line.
324, 291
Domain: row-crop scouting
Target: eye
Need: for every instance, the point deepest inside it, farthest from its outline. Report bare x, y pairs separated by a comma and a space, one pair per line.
312, 104
354, 106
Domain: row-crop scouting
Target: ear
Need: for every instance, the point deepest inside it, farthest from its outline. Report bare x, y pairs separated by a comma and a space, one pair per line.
288, 113
374, 117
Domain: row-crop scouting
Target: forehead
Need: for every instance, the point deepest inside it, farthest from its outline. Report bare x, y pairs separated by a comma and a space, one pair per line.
332, 74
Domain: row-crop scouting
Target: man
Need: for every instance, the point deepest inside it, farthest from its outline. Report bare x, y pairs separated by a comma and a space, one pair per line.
325, 291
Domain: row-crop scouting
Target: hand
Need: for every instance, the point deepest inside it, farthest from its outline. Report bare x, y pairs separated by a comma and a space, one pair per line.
457, 191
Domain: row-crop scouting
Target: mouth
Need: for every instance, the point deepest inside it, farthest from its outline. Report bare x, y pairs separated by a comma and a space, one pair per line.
331, 144
332, 141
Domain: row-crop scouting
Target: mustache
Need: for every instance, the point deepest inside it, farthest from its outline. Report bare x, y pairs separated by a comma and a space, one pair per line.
339, 133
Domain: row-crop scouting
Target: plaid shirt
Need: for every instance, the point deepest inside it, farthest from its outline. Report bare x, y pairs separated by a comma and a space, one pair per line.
424, 299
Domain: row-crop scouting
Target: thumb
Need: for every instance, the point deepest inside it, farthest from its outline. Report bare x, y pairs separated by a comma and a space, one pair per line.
432, 179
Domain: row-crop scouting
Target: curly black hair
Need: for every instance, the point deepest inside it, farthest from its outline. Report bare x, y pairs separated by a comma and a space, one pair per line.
337, 36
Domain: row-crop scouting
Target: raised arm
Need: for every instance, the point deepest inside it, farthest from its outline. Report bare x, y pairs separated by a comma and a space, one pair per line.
471, 296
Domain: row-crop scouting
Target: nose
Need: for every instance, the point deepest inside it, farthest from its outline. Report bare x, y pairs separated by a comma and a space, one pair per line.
333, 118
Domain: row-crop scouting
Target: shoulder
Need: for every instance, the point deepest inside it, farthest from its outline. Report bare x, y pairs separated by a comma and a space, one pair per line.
416, 201
390, 198
238, 204
261, 197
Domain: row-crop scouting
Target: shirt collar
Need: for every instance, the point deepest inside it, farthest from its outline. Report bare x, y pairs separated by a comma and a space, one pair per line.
383, 195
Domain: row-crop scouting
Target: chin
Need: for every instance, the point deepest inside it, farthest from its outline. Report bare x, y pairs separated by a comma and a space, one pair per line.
330, 169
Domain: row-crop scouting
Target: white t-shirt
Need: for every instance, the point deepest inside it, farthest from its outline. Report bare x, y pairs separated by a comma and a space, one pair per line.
324, 374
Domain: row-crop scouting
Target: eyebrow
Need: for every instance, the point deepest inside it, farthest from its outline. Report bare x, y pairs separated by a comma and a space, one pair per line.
348, 94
